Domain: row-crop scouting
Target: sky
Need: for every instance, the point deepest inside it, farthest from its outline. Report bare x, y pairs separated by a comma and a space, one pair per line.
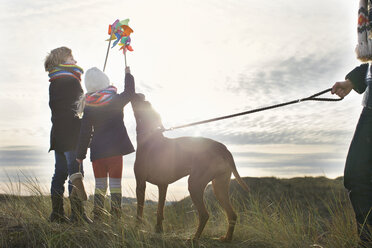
193, 60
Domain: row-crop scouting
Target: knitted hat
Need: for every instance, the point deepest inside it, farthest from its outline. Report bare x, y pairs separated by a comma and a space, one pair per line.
96, 80
364, 46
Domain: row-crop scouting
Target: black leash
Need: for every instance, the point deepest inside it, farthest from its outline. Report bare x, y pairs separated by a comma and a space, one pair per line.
310, 98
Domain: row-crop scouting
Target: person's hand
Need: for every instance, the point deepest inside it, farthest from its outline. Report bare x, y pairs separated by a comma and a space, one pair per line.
342, 88
80, 161
127, 69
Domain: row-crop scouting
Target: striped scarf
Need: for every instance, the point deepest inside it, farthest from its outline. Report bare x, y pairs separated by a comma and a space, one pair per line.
101, 97
66, 70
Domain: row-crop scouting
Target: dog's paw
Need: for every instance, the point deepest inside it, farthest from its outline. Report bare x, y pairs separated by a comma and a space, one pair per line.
224, 239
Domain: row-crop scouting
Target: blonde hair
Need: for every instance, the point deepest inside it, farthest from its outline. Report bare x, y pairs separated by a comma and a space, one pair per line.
80, 105
55, 57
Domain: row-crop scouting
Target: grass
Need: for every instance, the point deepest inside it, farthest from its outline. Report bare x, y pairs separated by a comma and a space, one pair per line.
298, 212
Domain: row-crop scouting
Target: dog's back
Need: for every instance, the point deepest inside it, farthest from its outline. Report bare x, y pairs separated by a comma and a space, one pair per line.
166, 160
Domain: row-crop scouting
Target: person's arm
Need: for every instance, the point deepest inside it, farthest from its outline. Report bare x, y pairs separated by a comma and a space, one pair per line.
52, 99
353, 80
129, 88
86, 132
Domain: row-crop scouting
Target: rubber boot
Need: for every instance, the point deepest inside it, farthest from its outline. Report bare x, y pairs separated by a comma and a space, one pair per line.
116, 205
78, 214
58, 213
99, 207
78, 189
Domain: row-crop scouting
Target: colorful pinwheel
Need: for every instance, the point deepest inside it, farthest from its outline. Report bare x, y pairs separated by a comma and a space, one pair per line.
120, 32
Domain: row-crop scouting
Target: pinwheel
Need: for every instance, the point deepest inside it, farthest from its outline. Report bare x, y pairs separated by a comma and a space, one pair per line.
120, 32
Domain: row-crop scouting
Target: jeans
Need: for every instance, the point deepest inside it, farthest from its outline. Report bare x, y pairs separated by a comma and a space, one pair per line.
65, 165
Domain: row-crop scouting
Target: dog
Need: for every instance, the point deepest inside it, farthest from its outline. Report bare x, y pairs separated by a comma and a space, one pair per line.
162, 161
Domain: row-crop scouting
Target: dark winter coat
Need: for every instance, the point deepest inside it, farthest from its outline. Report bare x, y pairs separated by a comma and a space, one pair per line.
103, 127
63, 95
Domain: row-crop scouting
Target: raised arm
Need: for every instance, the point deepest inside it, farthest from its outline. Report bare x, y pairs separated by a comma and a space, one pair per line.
129, 88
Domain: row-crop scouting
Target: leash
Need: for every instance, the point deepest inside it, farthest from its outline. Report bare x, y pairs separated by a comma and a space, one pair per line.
310, 98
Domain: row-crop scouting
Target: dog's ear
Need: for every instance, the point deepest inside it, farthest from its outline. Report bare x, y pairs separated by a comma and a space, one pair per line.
140, 97
147, 105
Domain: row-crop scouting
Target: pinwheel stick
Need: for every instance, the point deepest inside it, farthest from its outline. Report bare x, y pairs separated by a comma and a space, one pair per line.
125, 58
108, 49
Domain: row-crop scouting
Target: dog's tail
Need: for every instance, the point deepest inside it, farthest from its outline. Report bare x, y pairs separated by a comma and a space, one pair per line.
235, 172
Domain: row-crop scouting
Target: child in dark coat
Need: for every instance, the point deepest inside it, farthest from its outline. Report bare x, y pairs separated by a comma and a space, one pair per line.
104, 131
64, 91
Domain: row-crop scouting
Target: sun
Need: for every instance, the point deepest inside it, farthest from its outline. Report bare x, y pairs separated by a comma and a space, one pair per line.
187, 106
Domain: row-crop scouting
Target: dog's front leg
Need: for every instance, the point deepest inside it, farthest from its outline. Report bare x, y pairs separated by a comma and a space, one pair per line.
161, 203
140, 193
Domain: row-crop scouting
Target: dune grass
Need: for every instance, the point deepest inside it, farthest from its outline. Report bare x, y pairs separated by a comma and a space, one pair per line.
264, 221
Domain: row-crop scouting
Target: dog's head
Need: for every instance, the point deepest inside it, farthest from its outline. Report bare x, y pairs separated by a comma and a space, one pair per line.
147, 118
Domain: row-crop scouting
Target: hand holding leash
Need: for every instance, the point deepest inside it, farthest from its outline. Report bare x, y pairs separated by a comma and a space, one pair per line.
342, 88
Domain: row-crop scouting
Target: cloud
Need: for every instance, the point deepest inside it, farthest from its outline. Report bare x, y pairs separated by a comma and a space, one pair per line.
278, 82
289, 165
282, 137
289, 77
22, 156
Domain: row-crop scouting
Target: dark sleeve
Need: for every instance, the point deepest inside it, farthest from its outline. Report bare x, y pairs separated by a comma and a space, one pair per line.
358, 77
129, 90
85, 136
52, 102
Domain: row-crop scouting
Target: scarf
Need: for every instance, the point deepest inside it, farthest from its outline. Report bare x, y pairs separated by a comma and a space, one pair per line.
364, 46
66, 70
101, 97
